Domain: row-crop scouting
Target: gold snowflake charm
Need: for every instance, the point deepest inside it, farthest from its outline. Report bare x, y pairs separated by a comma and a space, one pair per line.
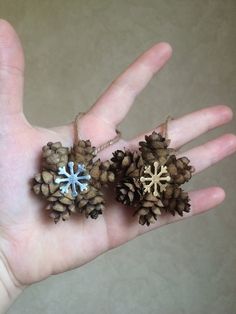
158, 178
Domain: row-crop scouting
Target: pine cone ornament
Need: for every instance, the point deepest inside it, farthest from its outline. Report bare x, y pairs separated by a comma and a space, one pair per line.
150, 179
71, 181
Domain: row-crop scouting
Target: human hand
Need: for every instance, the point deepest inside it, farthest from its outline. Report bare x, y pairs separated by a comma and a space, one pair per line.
32, 247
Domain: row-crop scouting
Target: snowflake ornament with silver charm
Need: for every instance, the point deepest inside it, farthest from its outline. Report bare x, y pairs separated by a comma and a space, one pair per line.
71, 180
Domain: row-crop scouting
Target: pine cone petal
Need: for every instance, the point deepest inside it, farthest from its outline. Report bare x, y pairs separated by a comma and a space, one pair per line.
83, 152
90, 202
176, 200
150, 208
179, 169
54, 156
129, 191
155, 147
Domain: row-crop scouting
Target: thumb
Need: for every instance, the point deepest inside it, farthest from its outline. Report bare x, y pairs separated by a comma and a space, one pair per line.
11, 72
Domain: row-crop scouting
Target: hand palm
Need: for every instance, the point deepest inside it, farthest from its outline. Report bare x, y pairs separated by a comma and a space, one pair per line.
31, 244
30, 239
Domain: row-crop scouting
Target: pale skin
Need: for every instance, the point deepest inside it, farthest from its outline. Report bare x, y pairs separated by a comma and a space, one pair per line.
31, 246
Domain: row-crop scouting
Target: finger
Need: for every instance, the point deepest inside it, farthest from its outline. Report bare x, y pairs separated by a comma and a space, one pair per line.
190, 126
116, 101
206, 155
11, 71
201, 201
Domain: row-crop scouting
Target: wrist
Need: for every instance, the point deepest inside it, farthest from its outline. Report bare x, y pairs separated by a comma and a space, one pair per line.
10, 288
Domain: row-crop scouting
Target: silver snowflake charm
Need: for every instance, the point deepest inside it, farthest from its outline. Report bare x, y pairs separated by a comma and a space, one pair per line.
73, 179
159, 178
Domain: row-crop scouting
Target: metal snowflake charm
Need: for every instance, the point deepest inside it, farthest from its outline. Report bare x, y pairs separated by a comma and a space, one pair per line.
158, 178
73, 179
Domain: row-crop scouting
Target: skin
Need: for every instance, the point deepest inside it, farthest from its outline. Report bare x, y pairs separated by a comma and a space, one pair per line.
28, 237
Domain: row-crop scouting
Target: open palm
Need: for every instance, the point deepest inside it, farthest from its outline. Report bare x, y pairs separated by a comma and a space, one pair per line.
31, 246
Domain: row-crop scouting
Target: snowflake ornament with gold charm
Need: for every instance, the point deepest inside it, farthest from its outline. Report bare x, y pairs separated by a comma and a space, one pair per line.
149, 179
